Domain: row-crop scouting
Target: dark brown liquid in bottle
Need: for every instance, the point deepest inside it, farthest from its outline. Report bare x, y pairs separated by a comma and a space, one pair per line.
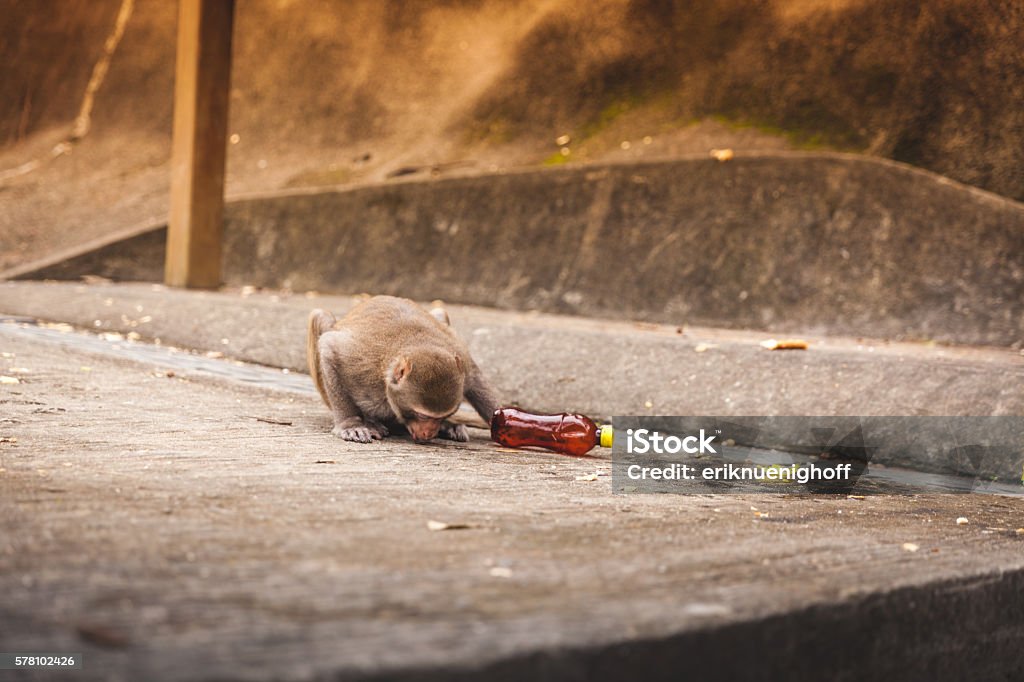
571, 434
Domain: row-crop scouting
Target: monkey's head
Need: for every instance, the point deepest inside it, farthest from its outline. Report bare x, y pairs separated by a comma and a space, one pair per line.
425, 387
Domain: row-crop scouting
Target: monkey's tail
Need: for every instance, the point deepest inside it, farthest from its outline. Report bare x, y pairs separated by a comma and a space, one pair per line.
319, 322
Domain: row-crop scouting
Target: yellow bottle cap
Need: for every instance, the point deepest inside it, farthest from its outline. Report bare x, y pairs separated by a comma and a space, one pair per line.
606, 436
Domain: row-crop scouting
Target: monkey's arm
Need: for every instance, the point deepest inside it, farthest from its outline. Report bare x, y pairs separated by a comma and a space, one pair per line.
349, 421
476, 391
480, 395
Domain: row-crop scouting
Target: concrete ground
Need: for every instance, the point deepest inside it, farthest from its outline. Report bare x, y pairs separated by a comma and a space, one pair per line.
598, 367
188, 527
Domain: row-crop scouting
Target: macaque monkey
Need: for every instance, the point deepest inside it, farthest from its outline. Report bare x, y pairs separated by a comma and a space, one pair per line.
389, 364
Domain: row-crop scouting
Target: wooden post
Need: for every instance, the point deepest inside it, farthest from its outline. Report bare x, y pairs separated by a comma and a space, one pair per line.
201, 93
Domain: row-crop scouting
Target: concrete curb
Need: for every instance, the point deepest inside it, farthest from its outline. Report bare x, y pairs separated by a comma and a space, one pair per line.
834, 243
937, 631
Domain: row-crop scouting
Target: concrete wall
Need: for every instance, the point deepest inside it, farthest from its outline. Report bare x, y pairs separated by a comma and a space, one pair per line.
818, 243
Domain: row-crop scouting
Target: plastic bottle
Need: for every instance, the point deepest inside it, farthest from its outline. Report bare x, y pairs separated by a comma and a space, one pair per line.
570, 434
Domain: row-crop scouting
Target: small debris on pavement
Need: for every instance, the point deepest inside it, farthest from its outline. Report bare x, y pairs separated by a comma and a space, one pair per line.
721, 155
101, 635
270, 420
911, 547
962, 521
4, 379
441, 525
703, 347
784, 344
587, 477
325, 461
501, 572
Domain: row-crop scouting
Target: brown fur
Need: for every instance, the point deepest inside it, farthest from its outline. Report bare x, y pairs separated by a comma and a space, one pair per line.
319, 322
388, 359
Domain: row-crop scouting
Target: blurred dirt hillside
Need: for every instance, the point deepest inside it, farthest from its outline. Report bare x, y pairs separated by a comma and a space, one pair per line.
330, 93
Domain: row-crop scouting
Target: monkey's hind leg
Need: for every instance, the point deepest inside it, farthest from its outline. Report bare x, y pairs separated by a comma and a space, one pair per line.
349, 422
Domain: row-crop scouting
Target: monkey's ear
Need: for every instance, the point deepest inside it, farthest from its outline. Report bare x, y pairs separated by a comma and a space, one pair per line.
400, 369
459, 364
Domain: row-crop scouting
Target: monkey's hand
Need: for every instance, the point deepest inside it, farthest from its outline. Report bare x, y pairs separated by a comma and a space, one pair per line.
360, 431
456, 432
